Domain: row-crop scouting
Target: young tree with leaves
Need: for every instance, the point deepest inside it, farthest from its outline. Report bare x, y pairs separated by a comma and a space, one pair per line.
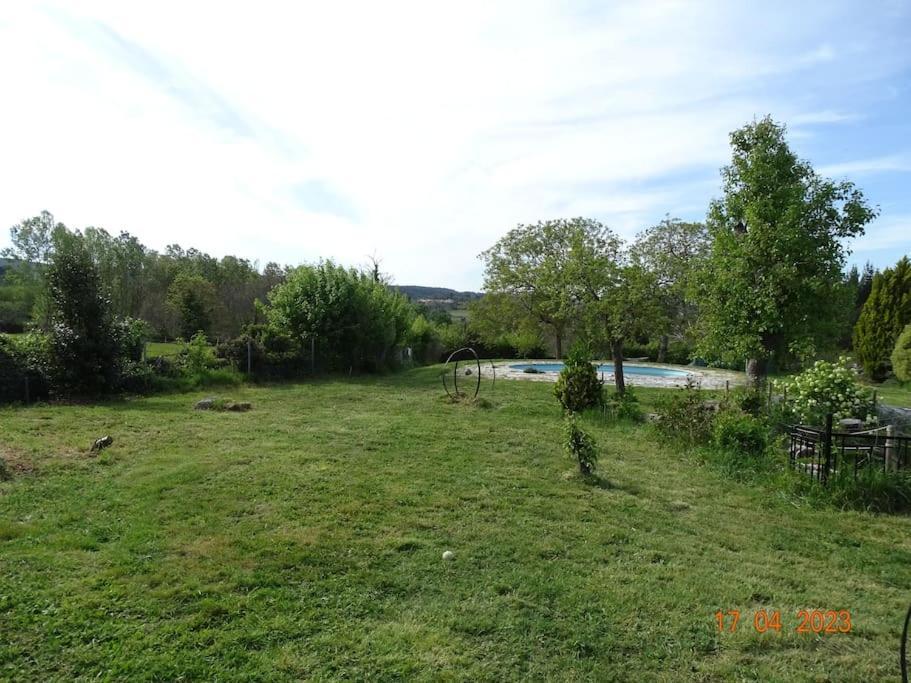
771, 282
673, 252
528, 268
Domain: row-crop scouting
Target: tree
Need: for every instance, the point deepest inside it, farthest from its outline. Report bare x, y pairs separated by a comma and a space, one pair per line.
618, 301
192, 298
528, 267
901, 356
32, 247
673, 251
84, 346
882, 319
352, 319
770, 287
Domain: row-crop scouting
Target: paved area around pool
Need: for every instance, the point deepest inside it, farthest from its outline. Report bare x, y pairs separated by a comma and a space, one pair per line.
708, 378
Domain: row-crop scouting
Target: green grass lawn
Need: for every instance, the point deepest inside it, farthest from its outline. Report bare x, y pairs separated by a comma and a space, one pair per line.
303, 540
154, 349
893, 393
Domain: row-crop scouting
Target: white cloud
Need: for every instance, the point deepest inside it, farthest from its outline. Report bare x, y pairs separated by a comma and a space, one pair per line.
890, 163
419, 131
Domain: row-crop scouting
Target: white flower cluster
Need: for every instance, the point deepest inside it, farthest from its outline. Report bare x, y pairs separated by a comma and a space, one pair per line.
827, 388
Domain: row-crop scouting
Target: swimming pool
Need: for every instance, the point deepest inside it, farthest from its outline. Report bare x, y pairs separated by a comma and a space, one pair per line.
607, 369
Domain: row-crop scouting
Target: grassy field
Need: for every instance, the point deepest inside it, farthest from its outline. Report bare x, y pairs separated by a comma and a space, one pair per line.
303, 540
154, 349
893, 393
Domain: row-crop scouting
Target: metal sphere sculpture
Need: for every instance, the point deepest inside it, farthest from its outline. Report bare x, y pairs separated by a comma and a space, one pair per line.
464, 365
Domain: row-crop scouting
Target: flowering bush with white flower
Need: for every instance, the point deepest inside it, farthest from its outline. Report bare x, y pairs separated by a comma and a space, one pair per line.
827, 388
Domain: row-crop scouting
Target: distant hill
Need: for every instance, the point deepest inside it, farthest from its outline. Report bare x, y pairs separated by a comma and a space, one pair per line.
438, 296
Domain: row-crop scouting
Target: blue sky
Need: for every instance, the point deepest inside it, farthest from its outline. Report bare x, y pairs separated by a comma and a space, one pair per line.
422, 132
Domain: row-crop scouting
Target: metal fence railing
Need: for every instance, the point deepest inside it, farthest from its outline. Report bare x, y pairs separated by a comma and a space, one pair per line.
821, 453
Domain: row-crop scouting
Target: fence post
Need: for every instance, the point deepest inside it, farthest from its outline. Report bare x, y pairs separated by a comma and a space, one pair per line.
249, 357
312, 355
827, 449
769, 401
727, 386
889, 459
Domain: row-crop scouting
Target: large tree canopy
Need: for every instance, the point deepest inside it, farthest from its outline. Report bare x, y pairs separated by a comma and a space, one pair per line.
772, 280
673, 251
528, 267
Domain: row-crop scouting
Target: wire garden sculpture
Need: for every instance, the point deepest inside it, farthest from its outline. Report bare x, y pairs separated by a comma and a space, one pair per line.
462, 372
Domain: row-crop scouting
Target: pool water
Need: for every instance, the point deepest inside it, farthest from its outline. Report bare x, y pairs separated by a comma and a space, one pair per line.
607, 369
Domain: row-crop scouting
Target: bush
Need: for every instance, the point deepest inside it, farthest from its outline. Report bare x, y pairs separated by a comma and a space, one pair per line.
23, 358
827, 388
578, 386
579, 445
625, 406
751, 400
901, 356
131, 335
740, 433
684, 417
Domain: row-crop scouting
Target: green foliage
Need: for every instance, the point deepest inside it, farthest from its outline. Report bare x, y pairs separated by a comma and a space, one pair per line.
528, 277
673, 252
192, 298
197, 356
901, 356
827, 388
625, 406
684, 417
579, 444
24, 358
740, 433
885, 314
578, 386
84, 346
772, 285
356, 321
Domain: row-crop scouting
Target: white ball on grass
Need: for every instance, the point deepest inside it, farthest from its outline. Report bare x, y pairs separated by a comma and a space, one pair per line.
448, 555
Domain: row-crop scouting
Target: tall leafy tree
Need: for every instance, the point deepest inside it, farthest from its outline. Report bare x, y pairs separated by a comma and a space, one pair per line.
528, 268
192, 298
771, 282
32, 245
673, 251
84, 343
617, 300
884, 316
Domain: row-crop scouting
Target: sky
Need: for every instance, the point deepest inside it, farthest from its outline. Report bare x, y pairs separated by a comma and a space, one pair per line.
421, 132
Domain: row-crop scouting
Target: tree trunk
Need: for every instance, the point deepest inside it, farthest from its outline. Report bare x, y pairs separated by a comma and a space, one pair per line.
756, 372
616, 348
558, 344
662, 349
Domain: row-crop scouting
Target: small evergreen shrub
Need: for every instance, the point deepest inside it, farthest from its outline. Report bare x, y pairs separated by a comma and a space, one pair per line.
827, 388
901, 356
579, 445
578, 387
